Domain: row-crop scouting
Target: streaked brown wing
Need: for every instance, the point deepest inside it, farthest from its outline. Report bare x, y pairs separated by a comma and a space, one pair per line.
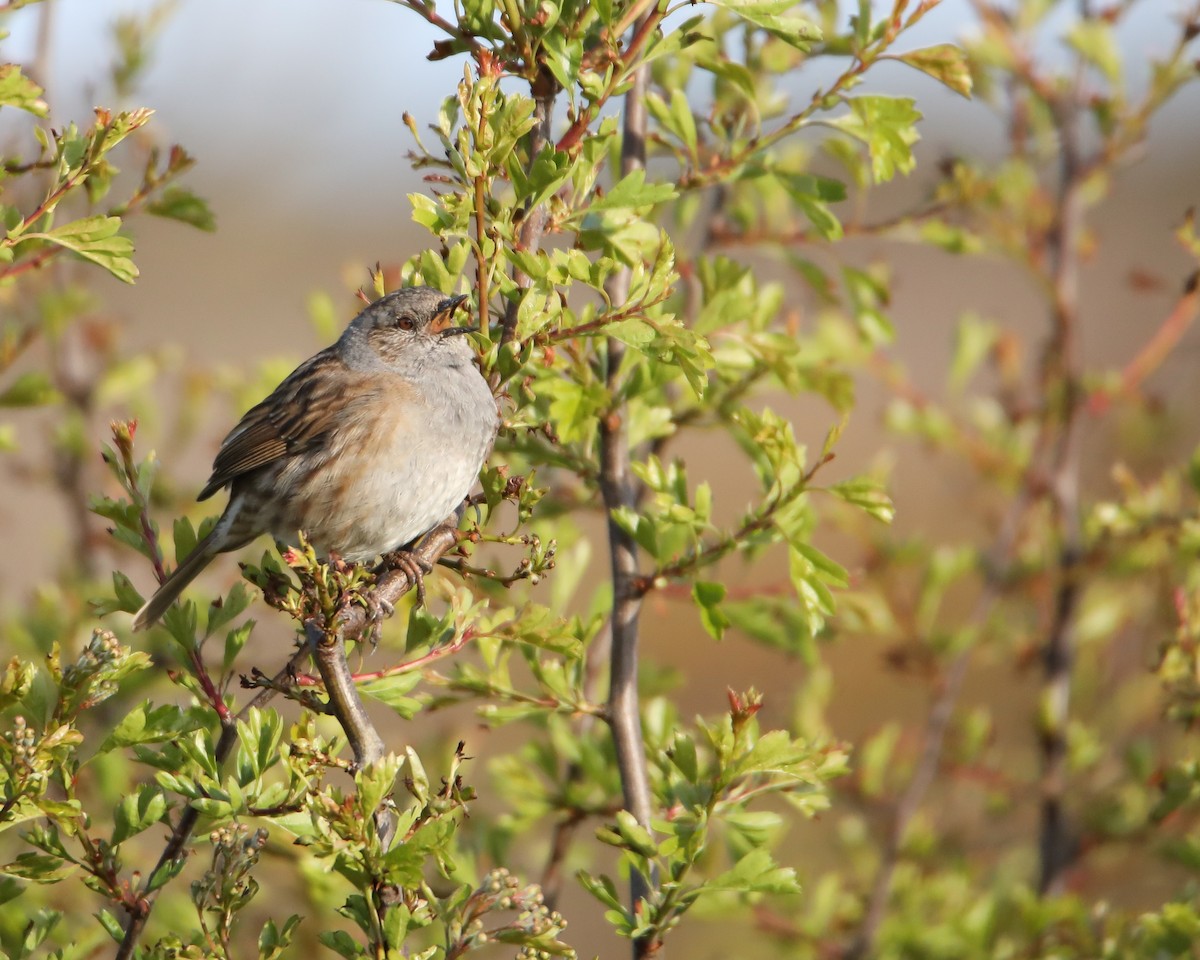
297, 414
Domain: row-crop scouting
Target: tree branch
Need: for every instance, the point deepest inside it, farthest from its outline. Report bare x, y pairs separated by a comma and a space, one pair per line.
1063, 390
178, 840
327, 647
616, 488
533, 223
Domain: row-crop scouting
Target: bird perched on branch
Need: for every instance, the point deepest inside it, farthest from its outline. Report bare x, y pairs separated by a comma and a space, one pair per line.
365, 446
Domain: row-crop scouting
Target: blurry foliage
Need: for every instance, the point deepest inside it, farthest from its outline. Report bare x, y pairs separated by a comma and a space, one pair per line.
108, 748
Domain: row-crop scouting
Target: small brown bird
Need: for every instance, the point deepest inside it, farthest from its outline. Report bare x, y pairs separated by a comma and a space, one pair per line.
365, 446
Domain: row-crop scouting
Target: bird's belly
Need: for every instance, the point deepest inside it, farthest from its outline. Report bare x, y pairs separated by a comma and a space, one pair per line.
370, 501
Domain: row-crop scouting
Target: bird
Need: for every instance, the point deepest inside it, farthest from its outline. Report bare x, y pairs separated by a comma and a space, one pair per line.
366, 446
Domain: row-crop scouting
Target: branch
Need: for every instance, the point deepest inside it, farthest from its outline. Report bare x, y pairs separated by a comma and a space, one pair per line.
1061, 387
533, 223
429, 13
344, 702
1161, 344
175, 851
616, 488
708, 554
1054, 457
620, 73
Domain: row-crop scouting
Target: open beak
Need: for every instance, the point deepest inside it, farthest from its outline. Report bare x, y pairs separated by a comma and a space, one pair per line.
440, 324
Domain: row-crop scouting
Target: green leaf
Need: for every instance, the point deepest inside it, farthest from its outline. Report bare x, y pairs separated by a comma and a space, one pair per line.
868, 495
39, 867
393, 691
876, 760
32, 389
756, 872
375, 782
179, 203
147, 723
1094, 40
636, 837
95, 239
945, 62
812, 194
17, 90
708, 597
603, 889
341, 943
138, 812
111, 924
632, 191
225, 609
258, 744
165, 873
887, 125
272, 941
973, 342
676, 118
777, 18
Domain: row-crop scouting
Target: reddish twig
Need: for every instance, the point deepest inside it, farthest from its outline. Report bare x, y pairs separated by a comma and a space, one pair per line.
621, 70
533, 221
1160, 345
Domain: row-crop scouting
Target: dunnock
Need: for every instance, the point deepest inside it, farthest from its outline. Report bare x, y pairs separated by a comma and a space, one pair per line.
365, 446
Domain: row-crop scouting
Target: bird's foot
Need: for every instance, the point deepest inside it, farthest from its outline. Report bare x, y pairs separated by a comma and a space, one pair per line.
412, 566
378, 610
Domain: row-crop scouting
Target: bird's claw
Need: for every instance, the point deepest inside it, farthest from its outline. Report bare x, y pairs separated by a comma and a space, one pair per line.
413, 567
378, 610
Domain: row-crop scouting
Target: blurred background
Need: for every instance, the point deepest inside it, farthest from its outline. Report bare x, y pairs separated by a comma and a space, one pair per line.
293, 110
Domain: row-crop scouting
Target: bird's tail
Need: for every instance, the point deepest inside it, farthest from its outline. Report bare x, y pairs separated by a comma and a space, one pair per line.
175, 584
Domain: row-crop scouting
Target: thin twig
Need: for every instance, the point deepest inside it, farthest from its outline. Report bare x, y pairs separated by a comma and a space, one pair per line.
1163, 341
533, 222
621, 71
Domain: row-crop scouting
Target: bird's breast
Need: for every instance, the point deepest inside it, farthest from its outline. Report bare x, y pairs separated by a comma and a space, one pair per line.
395, 467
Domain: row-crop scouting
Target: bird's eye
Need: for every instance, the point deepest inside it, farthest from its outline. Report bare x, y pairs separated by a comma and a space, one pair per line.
405, 323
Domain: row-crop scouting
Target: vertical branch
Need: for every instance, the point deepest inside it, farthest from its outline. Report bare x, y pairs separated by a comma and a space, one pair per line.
533, 223
617, 490
329, 654
1062, 391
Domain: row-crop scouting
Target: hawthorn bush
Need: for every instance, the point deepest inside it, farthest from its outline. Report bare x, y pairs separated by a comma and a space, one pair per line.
611, 182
